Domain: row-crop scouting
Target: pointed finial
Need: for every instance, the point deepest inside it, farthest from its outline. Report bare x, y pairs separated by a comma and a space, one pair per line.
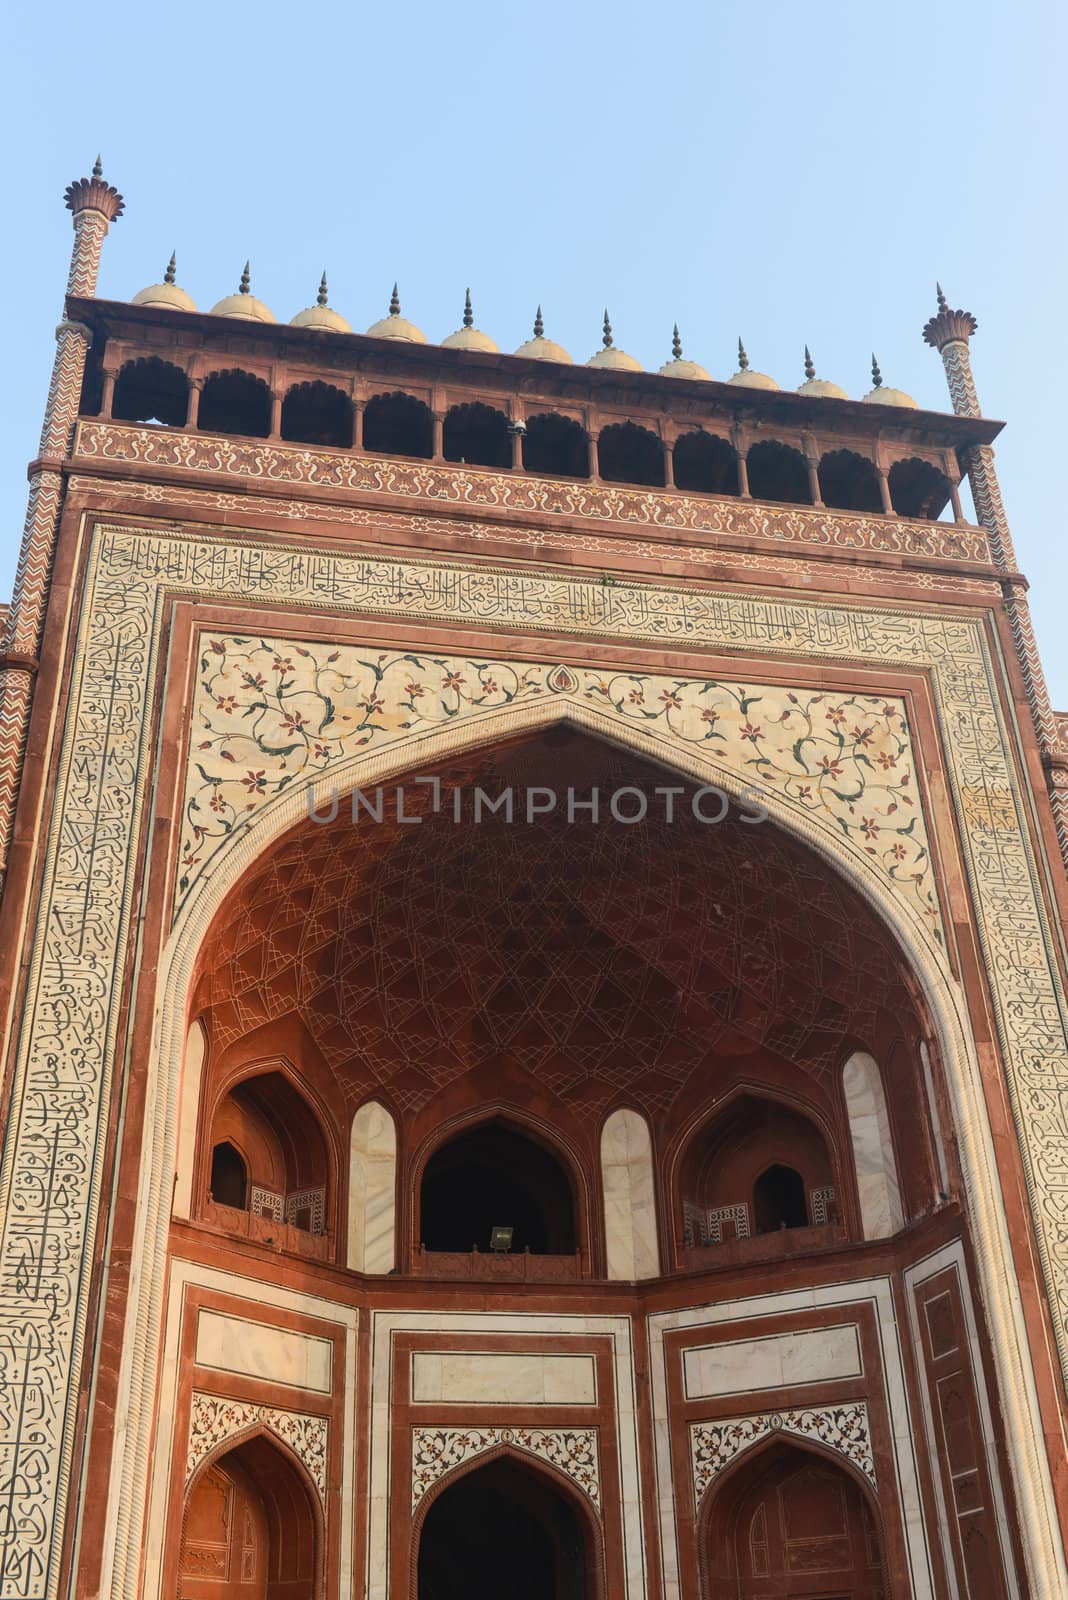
394, 303
743, 359
172, 267
810, 369
320, 299
469, 315
876, 375
98, 170
606, 337
244, 287
676, 344
539, 325
942, 306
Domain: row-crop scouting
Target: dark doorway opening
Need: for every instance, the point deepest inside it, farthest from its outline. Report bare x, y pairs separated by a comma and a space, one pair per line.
229, 1180
494, 1176
503, 1530
779, 1200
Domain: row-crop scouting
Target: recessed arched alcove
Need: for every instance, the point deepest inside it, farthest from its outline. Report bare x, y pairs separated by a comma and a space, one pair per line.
496, 1176
791, 1522
540, 965
250, 1528
556, 446
317, 413
849, 482
778, 472
478, 435
398, 424
629, 453
704, 463
918, 489
266, 1160
506, 1527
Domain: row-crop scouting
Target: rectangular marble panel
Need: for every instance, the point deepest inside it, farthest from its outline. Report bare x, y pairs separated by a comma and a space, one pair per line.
479, 1377
775, 1362
257, 1350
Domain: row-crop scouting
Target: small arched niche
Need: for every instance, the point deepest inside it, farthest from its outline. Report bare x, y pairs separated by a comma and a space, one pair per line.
627, 453
556, 446
786, 1521
250, 1528
878, 1186
317, 413
398, 425
151, 390
492, 1176
478, 435
372, 1190
268, 1156
235, 402
849, 482
506, 1528
918, 489
757, 1167
778, 472
631, 1249
705, 464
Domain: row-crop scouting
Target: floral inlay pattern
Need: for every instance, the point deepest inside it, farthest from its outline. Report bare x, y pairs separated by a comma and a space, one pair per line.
844, 1428
270, 713
436, 1451
214, 1420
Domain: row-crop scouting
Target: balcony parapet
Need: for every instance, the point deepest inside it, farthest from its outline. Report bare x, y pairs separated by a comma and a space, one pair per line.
290, 468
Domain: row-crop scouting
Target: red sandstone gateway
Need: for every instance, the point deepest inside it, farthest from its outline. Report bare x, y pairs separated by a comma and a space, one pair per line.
580, 1206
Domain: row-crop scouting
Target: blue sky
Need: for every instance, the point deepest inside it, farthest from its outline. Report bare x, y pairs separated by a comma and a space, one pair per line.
792, 173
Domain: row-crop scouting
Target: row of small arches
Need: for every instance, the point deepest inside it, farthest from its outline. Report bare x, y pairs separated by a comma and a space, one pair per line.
239, 403
756, 1166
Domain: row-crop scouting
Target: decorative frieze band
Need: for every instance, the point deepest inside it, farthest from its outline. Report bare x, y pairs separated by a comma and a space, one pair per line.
843, 1428
436, 1451
298, 467
213, 1420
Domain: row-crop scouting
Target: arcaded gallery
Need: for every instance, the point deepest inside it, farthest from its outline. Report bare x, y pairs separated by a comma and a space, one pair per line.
533, 975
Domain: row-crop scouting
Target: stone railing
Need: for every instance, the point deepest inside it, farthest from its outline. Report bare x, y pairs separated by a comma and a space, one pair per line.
302, 469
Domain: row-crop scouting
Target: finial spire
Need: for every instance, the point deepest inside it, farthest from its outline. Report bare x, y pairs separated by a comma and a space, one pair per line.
676, 344
876, 375
98, 170
743, 359
394, 303
469, 315
321, 297
172, 267
245, 286
539, 325
810, 367
942, 306
606, 337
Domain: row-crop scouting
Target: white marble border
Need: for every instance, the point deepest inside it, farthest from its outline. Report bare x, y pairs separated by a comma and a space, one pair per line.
876, 1292
952, 1255
183, 1276
385, 1325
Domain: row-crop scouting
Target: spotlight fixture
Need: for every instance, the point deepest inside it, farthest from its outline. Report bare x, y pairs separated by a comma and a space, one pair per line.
501, 1240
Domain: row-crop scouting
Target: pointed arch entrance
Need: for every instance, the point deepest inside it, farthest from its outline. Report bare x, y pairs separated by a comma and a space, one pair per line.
250, 1528
506, 1527
789, 1523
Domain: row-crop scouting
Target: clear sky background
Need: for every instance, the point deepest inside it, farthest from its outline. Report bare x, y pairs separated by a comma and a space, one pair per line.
789, 172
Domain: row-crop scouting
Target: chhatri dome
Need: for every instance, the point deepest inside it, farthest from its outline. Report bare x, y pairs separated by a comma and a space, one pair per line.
819, 388
746, 378
469, 337
395, 326
243, 305
166, 294
541, 348
677, 367
882, 395
321, 316
609, 356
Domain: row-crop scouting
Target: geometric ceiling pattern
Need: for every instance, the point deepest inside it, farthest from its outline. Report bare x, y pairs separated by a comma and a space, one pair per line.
589, 957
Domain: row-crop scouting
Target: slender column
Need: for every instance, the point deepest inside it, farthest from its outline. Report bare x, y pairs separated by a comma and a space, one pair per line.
884, 490
814, 481
439, 436
108, 398
949, 333
743, 474
192, 414
357, 424
276, 413
954, 500
94, 205
595, 465
669, 463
